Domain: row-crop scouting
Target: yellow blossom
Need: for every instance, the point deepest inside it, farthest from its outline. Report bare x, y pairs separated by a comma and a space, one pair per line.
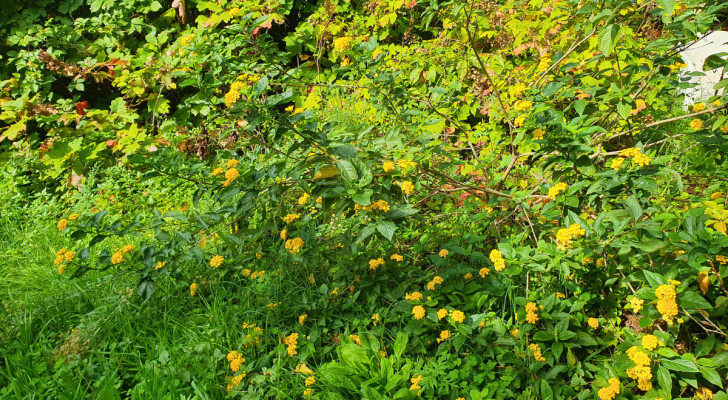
698, 107
418, 311
593, 323
303, 199
375, 319
193, 289
696, 124
556, 189
444, 335
302, 319
617, 163
650, 342
666, 302
294, 245
291, 217
62, 224
522, 105
310, 381
538, 134
117, 258
387, 166
414, 296
442, 313
536, 350
407, 187
396, 257
216, 261
443, 253
519, 121
496, 257
483, 272
404, 164
73, 217
376, 263
457, 316
284, 234
69, 256
611, 391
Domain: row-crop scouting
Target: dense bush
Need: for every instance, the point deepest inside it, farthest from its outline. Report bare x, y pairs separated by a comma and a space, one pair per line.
381, 199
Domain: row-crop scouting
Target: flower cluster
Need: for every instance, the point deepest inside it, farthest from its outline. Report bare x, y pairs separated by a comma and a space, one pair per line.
375, 263
666, 302
637, 157
531, 316
118, 256
458, 316
641, 372
61, 256
636, 304
437, 280
483, 272
496, 257
291, 341
414, 296
696, 124
303, 199
291, 217
387, 166
593, 323
236, 360
418, 311
444, 335
62, 224
650, 342
611, 391
442, 313
415, 380
443, 253
536, 350
294, 245
407, 187
522, 105
377, 205
564, 236
538, 134
556, 189
216, 261
193, 289
375, 319
396, 257
404, 164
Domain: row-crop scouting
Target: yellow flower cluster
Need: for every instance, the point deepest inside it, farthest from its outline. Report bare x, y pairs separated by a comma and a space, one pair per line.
617, 163
407, 187
377, 205
303, 199
611, 391
193, 289
443, 253
698, 107
291, 217
444, 335
415, 380
538, 134
160, 265
118, 257
536, 350
442, 313
294, 245
517, 89
375, 263
593, 323
230, 176
483, 272
418, 311
342, 43
310, 381
636, 304
531, 316
387, 166
696, 124
236, 360
356, 339
216, 261
62, 224
284, 234
291, 341
396, 257
404, 164
641, 372
519, 121
496, 257
666, 302
375, 319
637, 156
560, 295
458, 316
522, 105
556, 189
414, 296
235, 381
564, 236
435, 281
468, 277
650, 342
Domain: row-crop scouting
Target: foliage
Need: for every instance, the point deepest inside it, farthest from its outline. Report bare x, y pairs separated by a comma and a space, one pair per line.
392, 198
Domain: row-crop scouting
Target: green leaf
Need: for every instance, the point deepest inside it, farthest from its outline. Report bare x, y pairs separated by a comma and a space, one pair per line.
692, 301
260, 86
400, 343
633, 207
403, 211
712, 376
608, 38
664, 379
365, 233
546, 392
680, 365
279, 98
624, 110
363, 199
386, 228
654, 279
347, 171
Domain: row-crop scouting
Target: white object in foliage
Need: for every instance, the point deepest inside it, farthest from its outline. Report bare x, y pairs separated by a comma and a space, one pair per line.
694, 58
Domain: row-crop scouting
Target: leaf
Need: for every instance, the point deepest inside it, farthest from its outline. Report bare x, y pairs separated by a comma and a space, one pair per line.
664, 379
400, 343
624, 110
386, 228
633, 207
546, 392
704, 281
279, 98
363, 199
260, 86
326, 172
145, 288
347, 171
404, 211
712, 376
680, 365
654, 279
608, 38
365, 233
692, 300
